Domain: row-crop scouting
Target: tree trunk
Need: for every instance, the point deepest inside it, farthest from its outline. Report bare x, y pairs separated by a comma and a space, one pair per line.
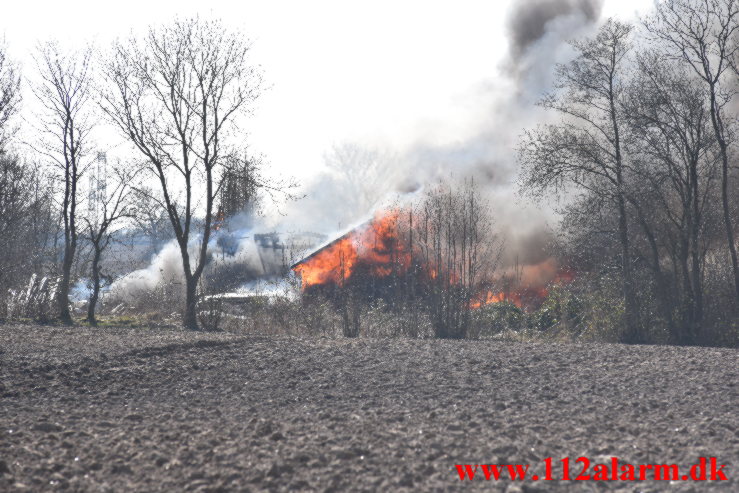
727, 217
718, 130
70, 244
63, 297
631, 333
191, 319
95, 287
662, 291
696, 323
687, 334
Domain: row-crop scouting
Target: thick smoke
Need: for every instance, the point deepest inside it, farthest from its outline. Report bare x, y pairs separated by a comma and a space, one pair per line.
240, 252
531, 20
538, 33
165, 266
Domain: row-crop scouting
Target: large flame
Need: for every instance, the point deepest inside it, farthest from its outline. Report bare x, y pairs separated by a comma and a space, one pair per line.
377, 249
332, 264
376, 245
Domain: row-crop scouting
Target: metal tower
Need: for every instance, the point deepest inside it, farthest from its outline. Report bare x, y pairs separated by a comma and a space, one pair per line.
97, 192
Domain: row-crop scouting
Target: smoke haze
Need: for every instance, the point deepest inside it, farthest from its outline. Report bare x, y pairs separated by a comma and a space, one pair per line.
530, 20
538, 31
482, 147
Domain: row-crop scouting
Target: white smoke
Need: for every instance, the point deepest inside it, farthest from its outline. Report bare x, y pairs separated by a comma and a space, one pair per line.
485, 148
538, 33
166, 266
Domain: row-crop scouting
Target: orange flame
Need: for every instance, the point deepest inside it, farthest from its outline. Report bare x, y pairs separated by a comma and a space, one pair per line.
378, 248
488, 298
376, 245
534, 282
332, 264
218, 219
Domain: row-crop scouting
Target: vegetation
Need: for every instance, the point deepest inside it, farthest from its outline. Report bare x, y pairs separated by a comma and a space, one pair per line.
641, 152
638, 147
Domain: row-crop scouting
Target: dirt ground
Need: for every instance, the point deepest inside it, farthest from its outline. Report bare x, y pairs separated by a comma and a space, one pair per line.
164, 410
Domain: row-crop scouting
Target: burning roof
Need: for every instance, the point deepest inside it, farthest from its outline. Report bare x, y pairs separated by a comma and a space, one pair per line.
379, 249
374, 244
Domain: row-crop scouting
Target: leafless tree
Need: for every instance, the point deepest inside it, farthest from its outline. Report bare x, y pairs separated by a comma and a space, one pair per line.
450, 234
177, 95
150, 217
364, 174
586, 149
112, 204
64, 91
702, 34
13, 183
13, 177
10, 95
27, 225
675, 164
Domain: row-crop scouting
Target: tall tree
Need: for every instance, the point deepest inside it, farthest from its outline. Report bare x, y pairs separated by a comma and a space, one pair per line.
10, 95
703, 35
13, 178
64, 91
586, 149
110, 203
675, 155
177, 95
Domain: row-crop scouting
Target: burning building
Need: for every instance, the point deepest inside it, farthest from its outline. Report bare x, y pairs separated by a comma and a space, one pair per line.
373, 247
382, 258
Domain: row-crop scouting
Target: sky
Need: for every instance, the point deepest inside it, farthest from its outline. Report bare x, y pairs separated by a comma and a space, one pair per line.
382, 73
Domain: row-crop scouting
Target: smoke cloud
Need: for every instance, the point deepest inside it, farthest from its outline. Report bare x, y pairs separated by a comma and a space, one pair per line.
166, 266
531, 20
538, 32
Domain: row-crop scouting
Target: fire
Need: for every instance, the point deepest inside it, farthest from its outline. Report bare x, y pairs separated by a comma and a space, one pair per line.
531, 287
522, 297
332, 264
218, 220
488, 298
377, 250
379, 246
376, 245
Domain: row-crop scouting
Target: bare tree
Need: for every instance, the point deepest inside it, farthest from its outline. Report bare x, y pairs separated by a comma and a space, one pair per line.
450, 235
112, 204
27, 225
13, 178
363, 173
177, 95
65, 93
586, 149
13, 201
10, 95
703, 35
151, 218
675, 162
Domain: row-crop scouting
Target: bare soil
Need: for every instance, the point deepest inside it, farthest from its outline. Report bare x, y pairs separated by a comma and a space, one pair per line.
164, 410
